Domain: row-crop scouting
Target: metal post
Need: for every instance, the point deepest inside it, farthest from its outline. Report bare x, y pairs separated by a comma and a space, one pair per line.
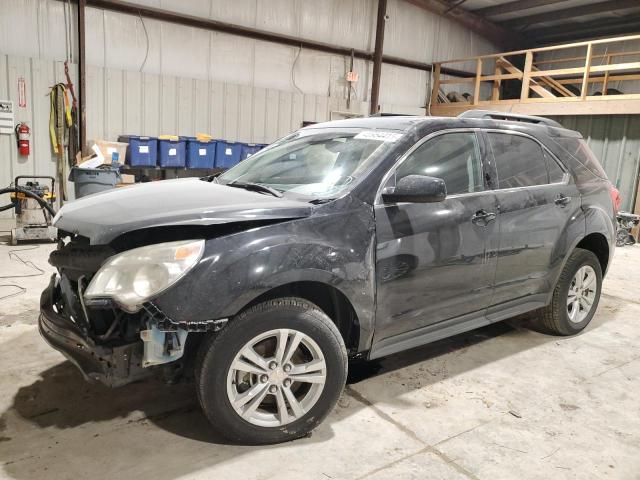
82, 78
377, 56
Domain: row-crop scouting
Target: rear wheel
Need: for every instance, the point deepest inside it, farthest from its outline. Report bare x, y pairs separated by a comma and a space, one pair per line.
273, 373
576, 296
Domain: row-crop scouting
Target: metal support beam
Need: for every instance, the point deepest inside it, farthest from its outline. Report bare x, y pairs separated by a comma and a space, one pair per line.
473, 22
82, 78
216, 26
377, 56
570, 13
594, 29
511, 7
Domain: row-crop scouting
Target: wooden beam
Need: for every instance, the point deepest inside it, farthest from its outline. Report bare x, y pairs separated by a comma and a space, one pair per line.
526, 76
476, 90
475, 23
564, 46
579, 59
614, 67
570, 13
587, 67
511, 7
551, 82
605, 81
457, 81
527, 81
435, 89
590, 106
599, 79
495, 91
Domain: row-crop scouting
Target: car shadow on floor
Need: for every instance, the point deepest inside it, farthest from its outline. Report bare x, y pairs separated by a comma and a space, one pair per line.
61, 402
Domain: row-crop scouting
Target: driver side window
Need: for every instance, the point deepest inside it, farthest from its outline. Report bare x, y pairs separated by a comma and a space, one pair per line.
454, 157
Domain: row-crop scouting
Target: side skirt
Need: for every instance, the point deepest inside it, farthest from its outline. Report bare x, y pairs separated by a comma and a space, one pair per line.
455, 326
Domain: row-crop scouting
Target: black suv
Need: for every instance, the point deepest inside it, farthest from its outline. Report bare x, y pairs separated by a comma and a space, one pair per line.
354, 238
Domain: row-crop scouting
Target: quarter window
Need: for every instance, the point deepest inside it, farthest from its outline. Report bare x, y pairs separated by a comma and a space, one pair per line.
454, 157
519, 161
556, 174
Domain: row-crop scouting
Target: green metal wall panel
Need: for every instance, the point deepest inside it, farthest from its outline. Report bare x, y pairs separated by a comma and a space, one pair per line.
615, 139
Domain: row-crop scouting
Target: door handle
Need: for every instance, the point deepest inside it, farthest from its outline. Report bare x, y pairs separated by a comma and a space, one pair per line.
482, 218
562, 200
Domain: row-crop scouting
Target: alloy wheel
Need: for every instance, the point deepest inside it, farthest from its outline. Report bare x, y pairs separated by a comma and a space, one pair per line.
582, 294
276, 378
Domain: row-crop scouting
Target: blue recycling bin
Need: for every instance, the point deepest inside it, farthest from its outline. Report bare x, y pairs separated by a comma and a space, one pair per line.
172, 153
249, 149
227, 153
142, 151
200, 154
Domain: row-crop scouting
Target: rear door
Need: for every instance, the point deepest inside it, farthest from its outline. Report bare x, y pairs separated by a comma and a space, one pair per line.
536, 203
434, 260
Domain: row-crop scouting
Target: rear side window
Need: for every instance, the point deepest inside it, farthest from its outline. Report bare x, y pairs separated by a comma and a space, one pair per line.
579, 149
454, 157
519, 160
556, 174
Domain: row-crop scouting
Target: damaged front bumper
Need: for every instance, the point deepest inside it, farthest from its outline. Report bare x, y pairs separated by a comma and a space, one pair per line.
111, 365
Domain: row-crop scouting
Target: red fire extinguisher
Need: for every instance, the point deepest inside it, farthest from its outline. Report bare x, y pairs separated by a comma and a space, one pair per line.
23, 132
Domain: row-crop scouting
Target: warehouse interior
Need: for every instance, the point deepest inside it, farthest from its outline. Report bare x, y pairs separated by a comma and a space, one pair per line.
120, 95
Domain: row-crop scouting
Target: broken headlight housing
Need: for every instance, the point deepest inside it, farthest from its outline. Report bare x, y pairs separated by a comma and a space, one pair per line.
133, 277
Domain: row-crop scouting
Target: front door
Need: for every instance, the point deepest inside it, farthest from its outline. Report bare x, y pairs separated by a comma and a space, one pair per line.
435, 261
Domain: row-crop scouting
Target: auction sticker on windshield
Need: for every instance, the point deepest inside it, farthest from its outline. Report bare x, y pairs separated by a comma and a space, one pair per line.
378, 135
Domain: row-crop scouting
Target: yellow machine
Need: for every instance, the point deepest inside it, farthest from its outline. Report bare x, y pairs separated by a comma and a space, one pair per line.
33, 219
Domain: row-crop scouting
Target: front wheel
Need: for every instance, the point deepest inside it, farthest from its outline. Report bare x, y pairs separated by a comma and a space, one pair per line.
576, 296
273, 374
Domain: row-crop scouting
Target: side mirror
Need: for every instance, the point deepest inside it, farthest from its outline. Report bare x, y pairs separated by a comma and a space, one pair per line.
416, 189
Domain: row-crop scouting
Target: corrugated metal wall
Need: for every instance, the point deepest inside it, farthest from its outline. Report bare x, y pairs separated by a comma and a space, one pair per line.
615, 139
39, 76
121, 102
195, 80
115, 40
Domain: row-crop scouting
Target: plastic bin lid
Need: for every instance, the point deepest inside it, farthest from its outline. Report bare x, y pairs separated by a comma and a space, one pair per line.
138, 137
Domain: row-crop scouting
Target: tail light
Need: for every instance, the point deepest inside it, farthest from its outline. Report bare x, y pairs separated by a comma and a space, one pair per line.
616, 198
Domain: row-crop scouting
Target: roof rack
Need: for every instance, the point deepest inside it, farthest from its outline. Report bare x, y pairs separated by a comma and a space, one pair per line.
384, 114
493, 115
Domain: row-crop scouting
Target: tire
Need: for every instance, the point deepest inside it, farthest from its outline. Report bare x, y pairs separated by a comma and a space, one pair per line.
221, 378
556, 318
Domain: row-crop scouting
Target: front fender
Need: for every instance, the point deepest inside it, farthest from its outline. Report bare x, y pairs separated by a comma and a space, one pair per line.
335, 248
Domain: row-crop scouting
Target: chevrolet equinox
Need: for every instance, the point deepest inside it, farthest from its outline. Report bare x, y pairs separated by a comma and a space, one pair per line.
352, 238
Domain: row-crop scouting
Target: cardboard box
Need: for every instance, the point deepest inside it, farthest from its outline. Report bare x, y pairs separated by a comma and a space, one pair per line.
127, 179
108, 148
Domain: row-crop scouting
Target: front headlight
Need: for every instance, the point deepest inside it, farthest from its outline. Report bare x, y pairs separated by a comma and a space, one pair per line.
133, 277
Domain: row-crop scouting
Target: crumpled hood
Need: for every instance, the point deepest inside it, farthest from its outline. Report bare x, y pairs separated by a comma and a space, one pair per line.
104, 216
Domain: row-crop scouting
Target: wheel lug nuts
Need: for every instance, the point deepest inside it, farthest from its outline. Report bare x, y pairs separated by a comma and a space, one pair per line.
273, 365
273, 389
287, 368
264, 378
287, 382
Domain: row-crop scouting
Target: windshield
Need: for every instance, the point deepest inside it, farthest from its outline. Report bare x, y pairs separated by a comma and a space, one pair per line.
314, 162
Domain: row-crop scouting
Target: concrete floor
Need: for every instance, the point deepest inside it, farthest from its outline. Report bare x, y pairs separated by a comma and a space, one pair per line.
500, 402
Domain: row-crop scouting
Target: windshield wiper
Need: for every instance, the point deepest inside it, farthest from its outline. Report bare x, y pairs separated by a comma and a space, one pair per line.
256, 187
320, 201
211, 178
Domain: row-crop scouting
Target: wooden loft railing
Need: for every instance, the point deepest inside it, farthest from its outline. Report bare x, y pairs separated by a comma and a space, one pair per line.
522, 82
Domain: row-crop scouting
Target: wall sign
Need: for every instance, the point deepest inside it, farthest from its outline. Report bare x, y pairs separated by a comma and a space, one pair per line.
6, 117
22, 93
